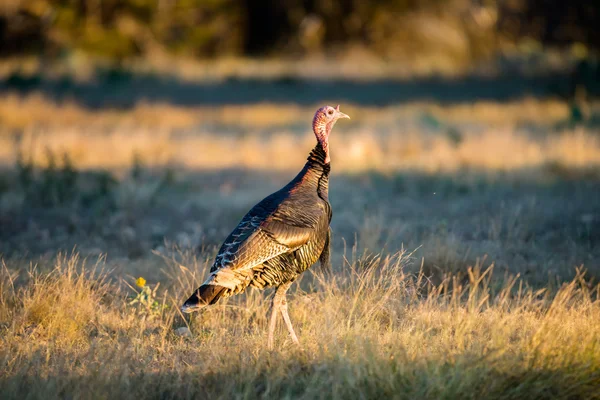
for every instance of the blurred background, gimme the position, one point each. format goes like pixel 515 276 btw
pixel 139 125
pixel 401 37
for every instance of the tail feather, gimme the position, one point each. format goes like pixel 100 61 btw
pixel 205 295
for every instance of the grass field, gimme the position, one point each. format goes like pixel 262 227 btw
pixel 465 254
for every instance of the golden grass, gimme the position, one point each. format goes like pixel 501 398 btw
pixel 376 328
pixel 368 331
pixel 494 150
pixel 192 137
pixel 17 112
pixel 357 63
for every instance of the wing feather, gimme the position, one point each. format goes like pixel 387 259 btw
pixel 255 241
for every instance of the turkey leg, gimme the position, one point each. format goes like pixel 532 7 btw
pixel 272 321
pixel 288 322
pixel 279 303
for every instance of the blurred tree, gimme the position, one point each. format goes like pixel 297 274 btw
pixel 119 29
pixel 552 21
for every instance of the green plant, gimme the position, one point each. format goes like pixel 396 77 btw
pixel 146 300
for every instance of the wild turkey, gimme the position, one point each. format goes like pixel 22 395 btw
pixel 280 237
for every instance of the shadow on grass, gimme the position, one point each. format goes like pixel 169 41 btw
pixel 536 227
pixel 125 90
pixel 338 379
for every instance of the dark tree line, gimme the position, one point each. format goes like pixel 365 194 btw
pixel 552 21
pixel 209 28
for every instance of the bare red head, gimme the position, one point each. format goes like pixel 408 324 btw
pixel 323 122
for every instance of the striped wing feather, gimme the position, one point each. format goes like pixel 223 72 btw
pixel 256 240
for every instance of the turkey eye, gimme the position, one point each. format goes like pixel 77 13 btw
pixel 330 112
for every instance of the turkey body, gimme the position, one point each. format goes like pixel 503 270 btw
pixel 280 237
pixel 277 240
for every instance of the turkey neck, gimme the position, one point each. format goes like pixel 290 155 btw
pixel 318 165
pixel 314 177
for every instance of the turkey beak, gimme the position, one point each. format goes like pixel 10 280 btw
pixel 340 114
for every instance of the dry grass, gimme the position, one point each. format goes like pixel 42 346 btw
pixel 496 204
pixel 369 331
pixel 417 137
pixel 22 112
pixel 443 54
pixel 495 150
